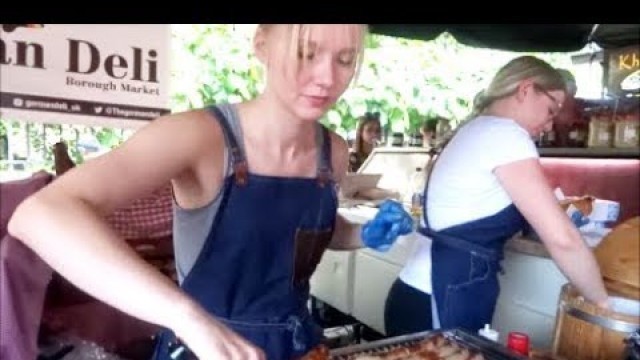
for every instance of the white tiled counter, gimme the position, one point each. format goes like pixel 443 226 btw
pixel 357 283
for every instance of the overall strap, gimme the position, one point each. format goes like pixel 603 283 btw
pixel 238 158
pixel 460 244
pixel 324 168
pixel 452 241
pixel 433 157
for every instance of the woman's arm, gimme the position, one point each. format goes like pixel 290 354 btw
pixel 346 235
pixel 390 221
pixel 64 224
pixel 527 186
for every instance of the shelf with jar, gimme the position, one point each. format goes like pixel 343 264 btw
pixel 603 152
pixel 602 129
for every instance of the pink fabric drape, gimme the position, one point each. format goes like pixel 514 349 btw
pixel 23 278
pixel 610 179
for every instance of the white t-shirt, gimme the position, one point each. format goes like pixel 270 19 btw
pixel 463 187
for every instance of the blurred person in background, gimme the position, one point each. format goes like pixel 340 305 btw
pixel 367 138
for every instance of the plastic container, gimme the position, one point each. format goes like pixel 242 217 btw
pixel 416 192
pixel 397 139
pixel 518 342
pixel 489 333
pixel 416 140
pixel 627 132
pixel 578 135
pixel 600 131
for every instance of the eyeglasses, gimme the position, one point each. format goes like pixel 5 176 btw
pixel 554 110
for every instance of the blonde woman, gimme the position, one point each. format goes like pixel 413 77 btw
pixel 253 213
pixel 485 186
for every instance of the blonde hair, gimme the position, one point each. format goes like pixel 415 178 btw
pixel 300 33
pixel 508 78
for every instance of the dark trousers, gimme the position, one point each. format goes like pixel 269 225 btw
pixel 407 310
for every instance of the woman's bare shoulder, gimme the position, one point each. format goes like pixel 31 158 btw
pixel 197 126
pixel 339 155
pixel 201 118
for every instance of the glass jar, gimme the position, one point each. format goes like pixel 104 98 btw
pixel 626 131
pixel 397 139
pixel 600 130
pixel 415 140
pixel 578 134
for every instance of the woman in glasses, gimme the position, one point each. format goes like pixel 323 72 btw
pixel 484 187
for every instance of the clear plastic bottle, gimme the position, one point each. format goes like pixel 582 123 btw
pixel 416 192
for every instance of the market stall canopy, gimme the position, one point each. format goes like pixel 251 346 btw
pixel 521 37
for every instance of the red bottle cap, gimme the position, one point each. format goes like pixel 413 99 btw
pixel 518 342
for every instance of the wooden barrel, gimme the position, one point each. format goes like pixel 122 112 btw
pixel 585 332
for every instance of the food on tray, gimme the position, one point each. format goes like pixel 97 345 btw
pixel 583 203
pixel 433 348
pixel 318 353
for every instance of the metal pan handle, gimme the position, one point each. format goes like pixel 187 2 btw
pixel 611 324
pixel 180 351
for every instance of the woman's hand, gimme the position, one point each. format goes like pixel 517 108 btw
pixel 209 339
pixel 521 179
pixel 604 304
pixel 391 221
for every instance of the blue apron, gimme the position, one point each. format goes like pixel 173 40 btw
pixel 465 262
pixel 266 240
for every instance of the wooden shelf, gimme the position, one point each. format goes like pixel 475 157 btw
pixel 614 153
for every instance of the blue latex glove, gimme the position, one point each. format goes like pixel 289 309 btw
pixel 579 219
pixel 390 222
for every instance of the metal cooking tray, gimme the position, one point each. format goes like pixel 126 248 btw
pixel 489 349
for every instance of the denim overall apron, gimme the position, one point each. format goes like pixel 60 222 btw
pixel 265 242
pixel 465 262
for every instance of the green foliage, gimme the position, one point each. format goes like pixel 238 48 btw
pixel 213 63
pixel 32 142
pixel 405 80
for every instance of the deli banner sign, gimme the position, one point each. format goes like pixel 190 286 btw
pixel 106 75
